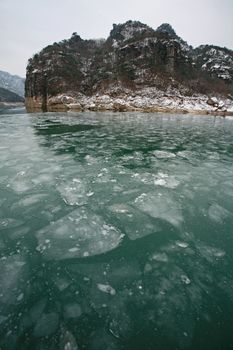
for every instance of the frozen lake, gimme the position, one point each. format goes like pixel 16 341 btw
pixel 116 231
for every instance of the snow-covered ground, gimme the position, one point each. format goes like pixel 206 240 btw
pixel 147 99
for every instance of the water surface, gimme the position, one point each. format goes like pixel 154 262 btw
pixel 116 231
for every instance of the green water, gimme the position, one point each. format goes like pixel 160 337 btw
pixel 116 231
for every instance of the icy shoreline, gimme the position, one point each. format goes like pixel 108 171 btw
pixel 146 100
pixel 11 104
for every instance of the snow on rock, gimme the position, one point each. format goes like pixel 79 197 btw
pixel 128 31
pixel 149 99
pixel 212 101
pixel 126 72
pixel 217 61
pixel 63 99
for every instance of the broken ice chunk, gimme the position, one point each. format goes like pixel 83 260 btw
pixel 165 180
pixel 13 273
pixel 162 206
pixel 61 283
pixel 106 288
pixel 67 341
pixel 185 279
pixel 46 325
pixel 73 192
pixel 20 297
pixel 217 213
pixel 163 154
pixel 133 222
pixel 76 235
pixel 161 257
pixel 9 223
pixel 182 244
pixel 72 310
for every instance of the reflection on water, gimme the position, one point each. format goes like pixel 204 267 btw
pixel 116 231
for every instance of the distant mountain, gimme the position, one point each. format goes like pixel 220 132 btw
pixel 216 61
pixel 9 96
pixel 12 83
pixel 133 58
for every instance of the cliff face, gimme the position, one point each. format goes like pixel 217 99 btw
pixel 132 58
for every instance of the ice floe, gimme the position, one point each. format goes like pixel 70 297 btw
pixel 13 276
pixel 79 234
pixel 161 206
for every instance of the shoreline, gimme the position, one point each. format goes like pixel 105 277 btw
pixel 67 108
pixel 12 104
pixel 142 101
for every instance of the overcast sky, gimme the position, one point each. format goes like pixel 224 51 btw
pixel 26 26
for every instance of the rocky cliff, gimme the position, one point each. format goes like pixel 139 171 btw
pixel 135 68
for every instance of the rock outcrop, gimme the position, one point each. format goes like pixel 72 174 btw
pixel 136 67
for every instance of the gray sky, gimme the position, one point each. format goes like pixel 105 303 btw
pixel 26 26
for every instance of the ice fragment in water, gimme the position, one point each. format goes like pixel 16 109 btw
pixel 43 178
pixel 13 273
pixel 120 324
pixel 182 244
pixel 162 257
pixel 101 339
pixel 185 279
pixel 67 341
pixel 73 192
pixel 78 234
pixel 218 213
pixel 147 268
pixel 160 182
pixel 163 154
pixel 37 310
pixel 72 250
pixel 30 200
pixel 209 253
pixel 10 223
pixel 3 319
pixel 20 297
pixel 165 180
pixel 72 310
pixel 46 325
pixel 89 194
pixel 106 288
pixel 162 207
pixel 61 283
pixel 185 154
pixel 135 223
pixel 20 183
pixel 119 208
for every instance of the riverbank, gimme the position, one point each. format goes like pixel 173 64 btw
pixel 11 104
pixel 146 100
